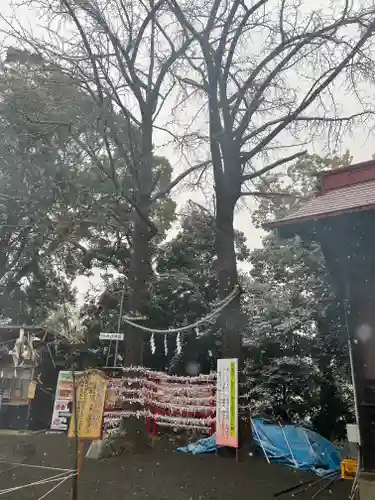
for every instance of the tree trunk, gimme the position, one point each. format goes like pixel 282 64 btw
pixel 140 261
pixel 135 437
pixel 139 300
pixel 231 320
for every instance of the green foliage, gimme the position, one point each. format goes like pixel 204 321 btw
pixel 64 196
pixel 298 344
pixel 183 289
pixel 33 188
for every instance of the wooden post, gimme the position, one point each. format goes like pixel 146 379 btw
pixel 213 413
pixel 80 456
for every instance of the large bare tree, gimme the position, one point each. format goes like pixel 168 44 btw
pixel 119 54
pixel 266 75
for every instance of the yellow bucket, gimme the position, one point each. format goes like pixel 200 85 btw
pixel 349 468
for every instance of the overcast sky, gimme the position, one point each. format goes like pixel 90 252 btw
pixel 360 145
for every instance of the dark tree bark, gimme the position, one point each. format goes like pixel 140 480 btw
pixel 230 319
pixel 246 95
pixel 141 256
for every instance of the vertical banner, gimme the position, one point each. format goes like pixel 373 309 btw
pixel 63 396
pixel 91 393
pixel 227 403
pixel 32 390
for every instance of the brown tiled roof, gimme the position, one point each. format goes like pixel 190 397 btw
pixel 352 198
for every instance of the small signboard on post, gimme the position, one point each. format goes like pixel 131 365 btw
pixel 111 336
pixel 227 403
pixel 87 416
pixel 90 397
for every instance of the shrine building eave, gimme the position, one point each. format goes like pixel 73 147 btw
pixel 340 192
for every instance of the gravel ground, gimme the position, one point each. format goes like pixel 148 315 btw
pixel 158 474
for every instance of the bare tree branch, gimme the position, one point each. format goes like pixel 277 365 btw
pixel 273 194
pixel 179 178
pixel 258 101
pixel 324 119
pixel 272 166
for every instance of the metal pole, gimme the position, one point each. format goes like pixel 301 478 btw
pixel 260 441
pixel 308 441
pixel 119 325
pixel 108 353
pixel 75 416
pixel 346 301
pixel 324 487
pixel 356 410
pixel 306 485
pixel 288 445
pixel 118 331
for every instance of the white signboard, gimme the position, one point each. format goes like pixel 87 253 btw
pixel 111 336
pixel 227 403
pixel 352 431
pixel 63 395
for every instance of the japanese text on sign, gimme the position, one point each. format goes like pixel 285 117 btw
pixel 227 403
pixel 91 392
pixel 63 396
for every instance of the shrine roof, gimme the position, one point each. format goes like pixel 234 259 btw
pixel 339 191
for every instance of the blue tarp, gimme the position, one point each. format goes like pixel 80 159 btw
pixel 310 450
pixel 205 445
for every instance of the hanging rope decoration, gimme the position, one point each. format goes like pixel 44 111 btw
pixel 171 378
pixel 152 344
pixel 209 318
pixel 168 400
pixel 206 319
pixel 178 343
